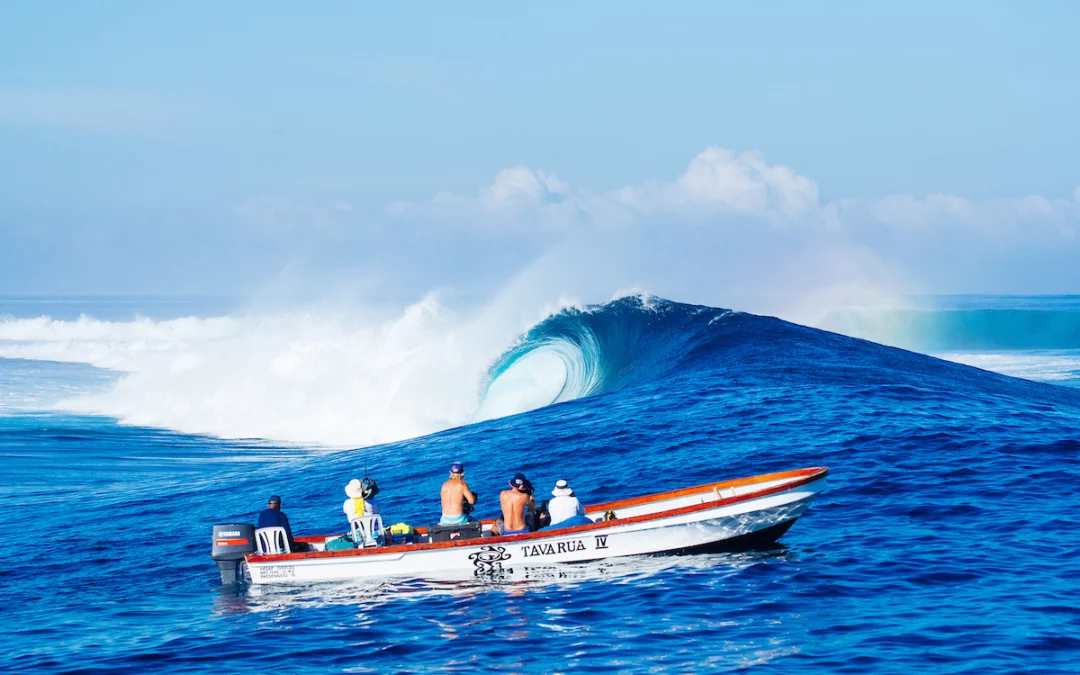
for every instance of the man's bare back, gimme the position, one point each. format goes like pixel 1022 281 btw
pixel 513 504
pixel 453 491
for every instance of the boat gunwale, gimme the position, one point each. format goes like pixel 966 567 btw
pixel 808 475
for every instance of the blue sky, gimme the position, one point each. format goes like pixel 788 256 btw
pixel 225 147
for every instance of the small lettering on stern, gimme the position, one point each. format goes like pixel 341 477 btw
pixel 278 572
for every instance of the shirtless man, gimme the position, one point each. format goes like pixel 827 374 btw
pixel 453 492
pixel 515 502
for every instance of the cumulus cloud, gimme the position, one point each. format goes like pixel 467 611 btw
pixel 521 186
pixel 995 218
pixel 517 195
pixel 721 182
pixel 717 181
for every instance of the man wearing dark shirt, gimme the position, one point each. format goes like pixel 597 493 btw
pixel 272 516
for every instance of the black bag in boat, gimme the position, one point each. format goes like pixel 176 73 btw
pixel 539 518
pixel 454 532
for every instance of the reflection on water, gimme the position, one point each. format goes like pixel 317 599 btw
pixel 511 583
pixel 627 611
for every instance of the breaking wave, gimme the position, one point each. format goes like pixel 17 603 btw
pixel 605 347
pixel 344 380
pixel 333 378
pixel 341 379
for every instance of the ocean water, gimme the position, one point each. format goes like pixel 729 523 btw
pixel 948 539
pixel 1030 337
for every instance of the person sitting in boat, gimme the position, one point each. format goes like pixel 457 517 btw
pixel 516 502
pixel 456 495
pixel 361 501
pixel 273 516
pixel 565 509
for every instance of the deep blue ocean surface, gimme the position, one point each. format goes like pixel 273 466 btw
pixel 947 541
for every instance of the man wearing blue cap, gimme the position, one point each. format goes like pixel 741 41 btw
pixel 455 493
pixel 273 516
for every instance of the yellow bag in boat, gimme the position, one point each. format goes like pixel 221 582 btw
pixel 402 528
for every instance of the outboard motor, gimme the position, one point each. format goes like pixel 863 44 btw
pixel 231 542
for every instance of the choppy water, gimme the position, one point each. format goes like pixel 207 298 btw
pixel 946 542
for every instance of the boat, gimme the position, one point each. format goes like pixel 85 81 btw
pixel 730 515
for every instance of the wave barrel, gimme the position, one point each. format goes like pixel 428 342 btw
pixel 230 543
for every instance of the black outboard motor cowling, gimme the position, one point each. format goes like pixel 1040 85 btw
pixel 231 542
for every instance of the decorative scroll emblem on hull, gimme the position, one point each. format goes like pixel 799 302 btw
pixel 489 560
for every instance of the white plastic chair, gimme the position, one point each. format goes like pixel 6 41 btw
pixel 367 530
pixel 272 540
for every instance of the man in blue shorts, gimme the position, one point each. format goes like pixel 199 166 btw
pixel 454 492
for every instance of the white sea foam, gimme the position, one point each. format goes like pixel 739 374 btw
pixel 315 376
pixel 1060 366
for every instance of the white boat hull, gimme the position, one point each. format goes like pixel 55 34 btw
pixel 685 522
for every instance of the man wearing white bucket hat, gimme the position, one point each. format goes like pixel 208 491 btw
pixel 361 502
pixel 565 504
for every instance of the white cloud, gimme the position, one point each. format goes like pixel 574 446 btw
pixel 521 186
pixel 717 181
pixel 995 218
pixel 518 195
pixel 720 182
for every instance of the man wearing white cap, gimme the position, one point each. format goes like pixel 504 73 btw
pixel 565 504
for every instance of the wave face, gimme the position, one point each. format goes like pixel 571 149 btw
pixel 951 499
